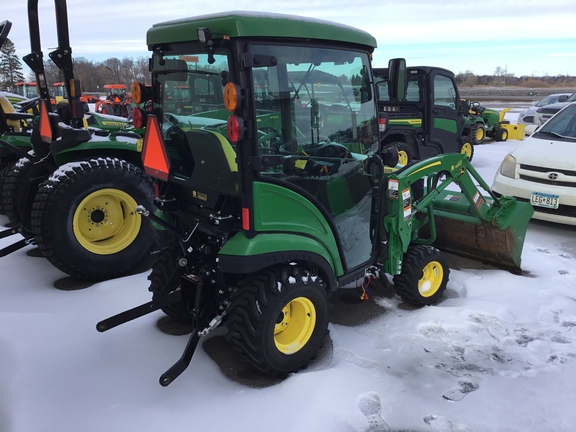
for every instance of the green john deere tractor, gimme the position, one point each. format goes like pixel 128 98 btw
pixel 282 196
pixel 75 192
pixel 485 122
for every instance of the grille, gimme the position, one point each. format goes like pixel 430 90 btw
pixel 547 181
pixel 546 170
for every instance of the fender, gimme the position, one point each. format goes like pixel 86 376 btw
pixel 244 255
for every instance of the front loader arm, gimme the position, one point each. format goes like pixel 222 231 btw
pixel 422 210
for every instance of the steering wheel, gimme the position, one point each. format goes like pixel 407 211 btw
pixel 5 27
pixel 307 143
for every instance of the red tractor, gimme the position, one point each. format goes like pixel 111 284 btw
pixel 117 102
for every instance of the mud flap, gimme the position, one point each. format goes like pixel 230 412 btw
pixel 498 242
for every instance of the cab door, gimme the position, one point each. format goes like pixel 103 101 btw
pixel 445 121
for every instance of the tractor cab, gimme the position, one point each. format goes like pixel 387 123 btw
pixel 297 130
pixel 28 90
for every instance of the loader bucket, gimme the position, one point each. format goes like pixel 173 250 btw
pixel 498 242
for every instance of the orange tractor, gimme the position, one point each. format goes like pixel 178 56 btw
pixel 117 102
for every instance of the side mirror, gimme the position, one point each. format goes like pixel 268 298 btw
pixel 390 157
pixel 562 98
pixel 397 78
pixel 530 129
pixel 366 90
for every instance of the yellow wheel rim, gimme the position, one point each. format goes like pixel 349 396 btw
pixel 504 135
pixel 432 276
pixel 466 149
pixel 402 157
pixel 106 222
pixel 295 325
pixel 479 133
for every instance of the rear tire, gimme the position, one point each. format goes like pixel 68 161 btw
pixel 7 168
pixel 424 276
pixel 166 275
pixel 467 148
pixel 278 319
pixel 19 188
pixel 405 155
pixel 85 222
pixel 477 133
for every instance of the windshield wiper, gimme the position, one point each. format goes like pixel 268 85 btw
pixel 557 135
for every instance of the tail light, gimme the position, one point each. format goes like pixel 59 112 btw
pixel 138 118
pixel 235 128
pixel 382 121
pixel 245 219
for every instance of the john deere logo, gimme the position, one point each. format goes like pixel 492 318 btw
pixel 553 176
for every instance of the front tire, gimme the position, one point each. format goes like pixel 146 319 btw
pixel 424 276
pixel 501 134
pixel 278 319
pixel 84 218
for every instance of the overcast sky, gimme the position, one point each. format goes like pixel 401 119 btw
pixel 528 37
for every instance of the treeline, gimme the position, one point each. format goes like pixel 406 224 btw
pixel 94 75
pixel 502 78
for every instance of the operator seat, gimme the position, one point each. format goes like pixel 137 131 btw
pixel 9 118
pixel 214 160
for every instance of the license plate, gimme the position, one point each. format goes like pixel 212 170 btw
pixel 545 200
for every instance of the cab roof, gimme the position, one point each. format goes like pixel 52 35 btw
pixel 240 24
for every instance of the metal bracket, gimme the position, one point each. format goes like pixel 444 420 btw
pixel 138 311
pixel 14 246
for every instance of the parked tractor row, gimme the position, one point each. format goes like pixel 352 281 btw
pixel 269 176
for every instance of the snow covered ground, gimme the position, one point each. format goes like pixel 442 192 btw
pixel 498 353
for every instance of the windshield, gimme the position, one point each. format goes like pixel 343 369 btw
pixel 562 125
pixel 546 101
pixel 313 97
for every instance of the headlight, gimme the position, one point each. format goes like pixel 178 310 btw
pixel 508 166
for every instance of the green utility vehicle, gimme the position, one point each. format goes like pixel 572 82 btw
pixel 74 194
pixel 281 197
pixel 429 120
